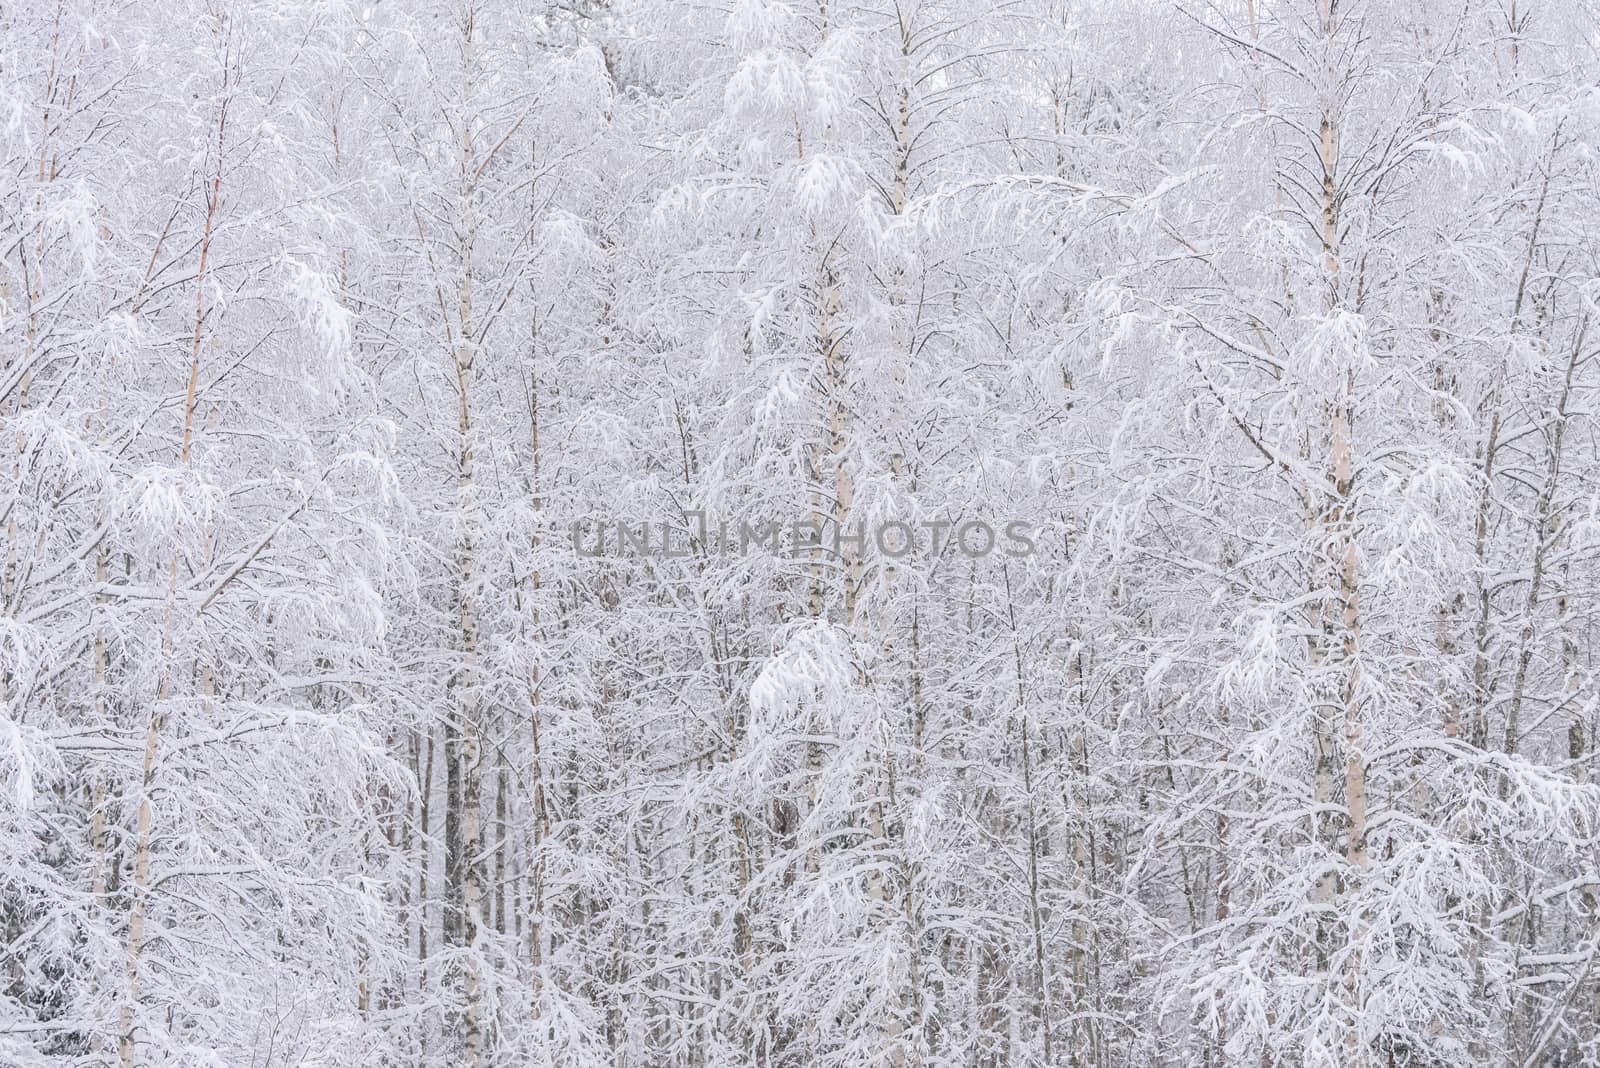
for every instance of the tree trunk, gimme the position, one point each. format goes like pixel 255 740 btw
pixel 143 832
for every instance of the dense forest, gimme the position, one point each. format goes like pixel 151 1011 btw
pixel 493 498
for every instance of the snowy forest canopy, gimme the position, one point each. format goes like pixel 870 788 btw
pixel 323 744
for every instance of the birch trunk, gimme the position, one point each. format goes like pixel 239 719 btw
pixel 469 815
pixel 143 830
pixel 1345 561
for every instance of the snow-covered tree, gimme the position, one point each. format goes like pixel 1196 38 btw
pixel 798 532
